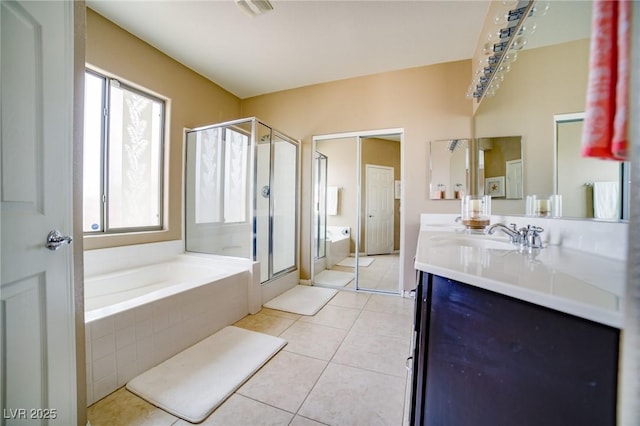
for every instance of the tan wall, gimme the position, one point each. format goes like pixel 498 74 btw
pixel 193 101
pixel 542 82
pixel 428 102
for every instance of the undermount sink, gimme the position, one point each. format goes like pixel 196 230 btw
pixel 482 242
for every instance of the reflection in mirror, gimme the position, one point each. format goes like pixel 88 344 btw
pixel 590 188
pixel 500 167
pixel 549 77
pixel 378 261
pixel 320 206
pixel 448 168
pixel 338 186
pixel 357 200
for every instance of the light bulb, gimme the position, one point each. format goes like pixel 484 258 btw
pixel 501 20
pixel 528 28
pixel 510 57
pixel 540 8
pixel 519 42
pixel 504 68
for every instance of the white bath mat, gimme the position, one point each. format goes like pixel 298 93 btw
pixel 350 262
pixel 333 278
pixel 196 381
pixel 302 299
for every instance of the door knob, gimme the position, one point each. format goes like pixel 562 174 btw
pixel 55 240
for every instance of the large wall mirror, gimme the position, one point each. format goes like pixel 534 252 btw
pixel 357 217
pixel 590 188
pixel 448 168
pixel 549 80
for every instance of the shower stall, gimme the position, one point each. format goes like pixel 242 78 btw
pixel 242 195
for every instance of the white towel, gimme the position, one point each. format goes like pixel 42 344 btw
pixel 332 200
pixel 606 200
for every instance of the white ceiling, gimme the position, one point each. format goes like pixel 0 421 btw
pixel 305 42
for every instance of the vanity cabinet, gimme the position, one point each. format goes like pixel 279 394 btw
pixel 483 358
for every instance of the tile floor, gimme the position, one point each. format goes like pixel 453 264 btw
pixel 382 274
pixel 343 366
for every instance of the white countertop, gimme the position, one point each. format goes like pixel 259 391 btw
pixel 564 279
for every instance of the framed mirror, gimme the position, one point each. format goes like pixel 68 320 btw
pixel 448 169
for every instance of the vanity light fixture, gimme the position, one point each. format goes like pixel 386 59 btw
pixel 254 7
pixel 500 46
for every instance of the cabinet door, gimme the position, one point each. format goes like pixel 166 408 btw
pixel 421 331
pixel 494 360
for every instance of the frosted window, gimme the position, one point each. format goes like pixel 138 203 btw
pixel 123 175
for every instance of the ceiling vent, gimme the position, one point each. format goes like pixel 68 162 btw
pixel 254 7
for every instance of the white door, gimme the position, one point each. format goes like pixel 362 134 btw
pixel 379 210
pixel 37 344
pixel 514 179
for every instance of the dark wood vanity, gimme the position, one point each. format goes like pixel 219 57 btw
pixel 484 358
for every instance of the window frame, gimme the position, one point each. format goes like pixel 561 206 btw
pixel 108 80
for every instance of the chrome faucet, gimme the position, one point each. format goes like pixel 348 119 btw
pixel 512 231
pixel 528 236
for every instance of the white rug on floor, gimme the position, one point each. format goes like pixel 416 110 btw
pixel 350 262
pixel 333 278
pixel 302 299
pixel 197 380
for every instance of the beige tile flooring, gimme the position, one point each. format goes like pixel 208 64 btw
pixel 382 274
pixel 343 366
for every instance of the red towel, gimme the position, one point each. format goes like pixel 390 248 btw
pixel 605 127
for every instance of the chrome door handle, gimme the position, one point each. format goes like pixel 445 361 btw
pixel 55 240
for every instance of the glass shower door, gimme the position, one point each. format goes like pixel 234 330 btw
pixel 262 199
pixel 217 191
pixel 241 187
pixel 284 205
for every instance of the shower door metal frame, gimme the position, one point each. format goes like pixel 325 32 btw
pixel 252 183
pixel 271 274
pixel 315 170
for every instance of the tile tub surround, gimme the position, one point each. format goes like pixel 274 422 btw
pixel 356 382
pixel 129 337
pixel 121 346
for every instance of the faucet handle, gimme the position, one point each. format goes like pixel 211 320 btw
pixel 533 236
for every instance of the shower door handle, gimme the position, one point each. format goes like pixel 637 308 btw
pixel 55 240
